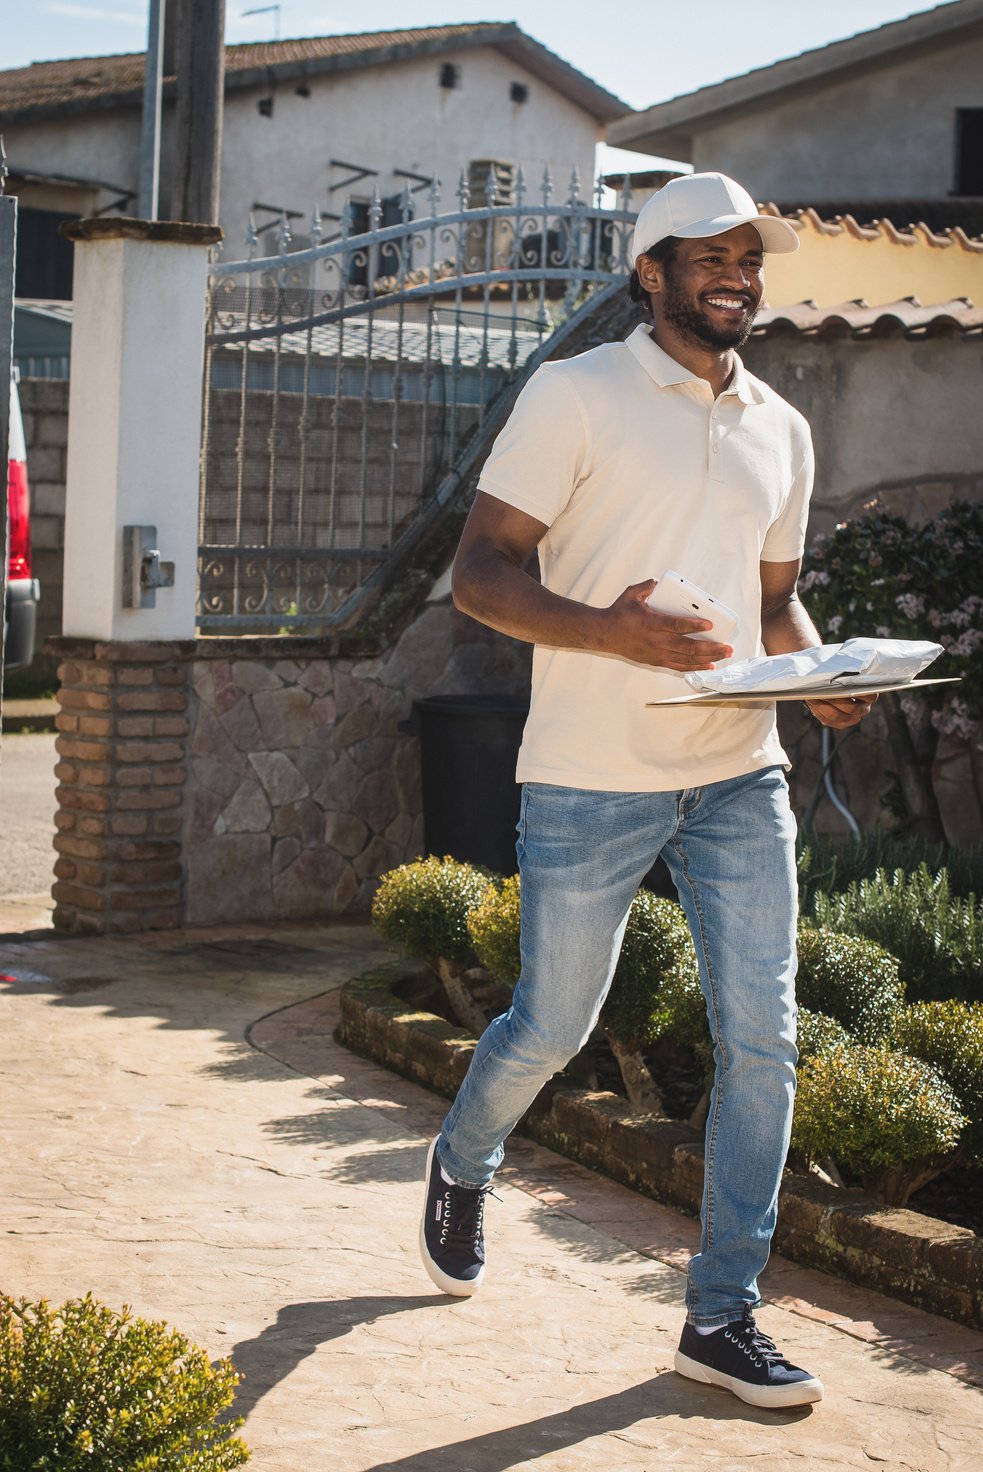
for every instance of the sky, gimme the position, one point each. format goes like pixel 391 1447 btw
pixel 643 51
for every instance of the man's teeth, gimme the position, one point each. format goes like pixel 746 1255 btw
pixel 734 303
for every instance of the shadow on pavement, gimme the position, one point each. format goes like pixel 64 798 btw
pixel 299 1330
pixel 664 1395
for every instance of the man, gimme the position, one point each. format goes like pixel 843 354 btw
pixel 660 452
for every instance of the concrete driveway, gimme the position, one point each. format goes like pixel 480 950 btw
pixel 27 809
pixel 182 1133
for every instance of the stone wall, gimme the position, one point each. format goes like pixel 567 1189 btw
pixel 222 780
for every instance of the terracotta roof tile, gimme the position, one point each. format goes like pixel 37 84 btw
pixel 857 319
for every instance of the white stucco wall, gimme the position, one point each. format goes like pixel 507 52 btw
pixel 395 117
pixel 886 132
pixel 384 117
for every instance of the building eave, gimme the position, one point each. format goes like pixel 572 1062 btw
pixel 668 128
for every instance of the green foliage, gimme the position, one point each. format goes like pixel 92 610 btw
pixel 493 928
pixel 657 949
pixel 422 908
pixel 828 865
pixel 849 979
pixel 818 1034
pixel 84 1387
pixel 883 1115
pixel 949 1036
pixel 937 937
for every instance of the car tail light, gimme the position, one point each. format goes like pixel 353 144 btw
pixel 20 521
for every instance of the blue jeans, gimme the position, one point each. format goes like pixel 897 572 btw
pixel 582 855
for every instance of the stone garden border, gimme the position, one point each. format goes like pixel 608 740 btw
pixel 932 1264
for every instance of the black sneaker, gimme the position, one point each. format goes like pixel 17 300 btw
pixel 743 1359
pixel 452 1244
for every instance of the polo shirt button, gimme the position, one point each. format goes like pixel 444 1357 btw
pixel 715 448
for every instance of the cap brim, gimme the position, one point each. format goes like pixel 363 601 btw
pixel 778 237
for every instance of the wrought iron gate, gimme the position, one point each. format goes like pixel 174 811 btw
pixel 343 382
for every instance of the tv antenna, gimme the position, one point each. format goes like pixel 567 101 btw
pixel 265 10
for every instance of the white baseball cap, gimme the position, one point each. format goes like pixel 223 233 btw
pixel 696 205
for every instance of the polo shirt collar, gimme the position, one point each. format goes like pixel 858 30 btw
pixel 666 372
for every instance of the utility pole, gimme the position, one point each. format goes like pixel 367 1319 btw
pixel 150 121
pixel 200 76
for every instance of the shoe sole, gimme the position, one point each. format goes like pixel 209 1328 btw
pixel 803 1393
pixel 456 1287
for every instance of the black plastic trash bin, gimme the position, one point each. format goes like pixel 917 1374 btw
pixel 468 750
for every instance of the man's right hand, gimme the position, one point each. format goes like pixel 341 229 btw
pixel 491 585
pixel 635 631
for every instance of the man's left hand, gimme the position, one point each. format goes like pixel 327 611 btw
pixel 841 713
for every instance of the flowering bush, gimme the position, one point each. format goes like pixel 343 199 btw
pixel 876 575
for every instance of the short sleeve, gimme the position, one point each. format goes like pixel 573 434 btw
pixel 541 454
pixel 785 539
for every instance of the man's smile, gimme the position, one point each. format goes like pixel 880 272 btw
pixel 727 303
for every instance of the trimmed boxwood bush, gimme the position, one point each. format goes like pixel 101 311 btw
pixel 849 979
pixel 818 1033
pixel 936 935
pixel 86 1389
pixel 422 908
pixel 889 1118
pixel 657 947
pixel 949 1036
pixel 493 929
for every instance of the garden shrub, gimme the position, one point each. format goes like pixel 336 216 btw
pixel 936 936
pixel 817 1033
pixel 949 1036
pixel 889 1118
pixel 493 929
pixel 657 947
pixel 422 908
pixel 849 979
pixel 831 864
pixel 85 1387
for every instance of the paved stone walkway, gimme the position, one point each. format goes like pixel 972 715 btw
pixel 182 1134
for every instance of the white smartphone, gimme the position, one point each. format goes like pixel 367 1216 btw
pixel 676 595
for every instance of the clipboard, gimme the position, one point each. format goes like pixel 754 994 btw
pixel 834 689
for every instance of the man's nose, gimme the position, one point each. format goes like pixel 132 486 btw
pixel 734 274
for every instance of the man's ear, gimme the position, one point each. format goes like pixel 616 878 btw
pixel 651 275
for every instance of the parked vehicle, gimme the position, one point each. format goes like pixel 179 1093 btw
pixel 23 592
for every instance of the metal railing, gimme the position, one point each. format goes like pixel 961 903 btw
pixel 344 380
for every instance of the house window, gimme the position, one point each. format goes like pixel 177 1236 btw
pixel 450 76
pixel 44 258
pixel 384 259
pixel 969 150
pixel 519 92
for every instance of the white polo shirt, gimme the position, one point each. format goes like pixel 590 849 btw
pixel 635 467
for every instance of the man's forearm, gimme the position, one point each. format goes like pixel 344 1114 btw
pixel 788 628
pixel 492 588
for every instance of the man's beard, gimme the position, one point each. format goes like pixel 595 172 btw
pixel 696 327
